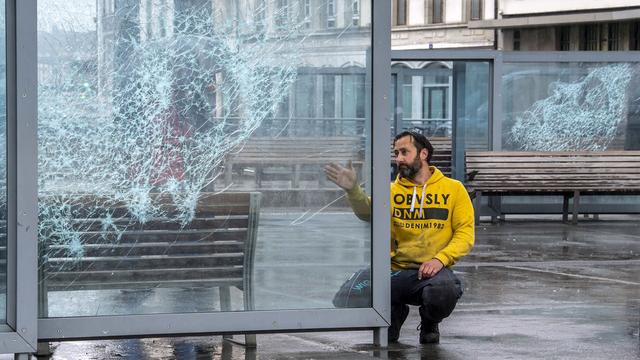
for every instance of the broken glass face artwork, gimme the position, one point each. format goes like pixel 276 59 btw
pixel 569 106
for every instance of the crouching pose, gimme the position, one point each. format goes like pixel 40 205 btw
pixel 432 227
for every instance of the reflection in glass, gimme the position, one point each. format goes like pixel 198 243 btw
pixel 154 117
pixel 426 101
pixel 432 95
pixel 571 106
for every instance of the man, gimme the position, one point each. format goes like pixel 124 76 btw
pixel 432 227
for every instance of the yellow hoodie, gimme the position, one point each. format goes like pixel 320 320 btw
pixel 428 221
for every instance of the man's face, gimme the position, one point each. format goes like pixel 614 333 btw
pixel 407 157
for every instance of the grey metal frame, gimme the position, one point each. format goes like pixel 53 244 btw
pixel 22 206
pixel 22 202
pixel 375 318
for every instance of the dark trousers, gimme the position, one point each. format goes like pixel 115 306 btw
pixel 436 296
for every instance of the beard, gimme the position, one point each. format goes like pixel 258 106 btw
pixel 409 171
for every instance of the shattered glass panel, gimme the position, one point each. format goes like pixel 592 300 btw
pixel 157 117
pixel 571 106
pixel 3 167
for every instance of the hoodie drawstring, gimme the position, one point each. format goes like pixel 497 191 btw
pixel 413 199
pixel 422 198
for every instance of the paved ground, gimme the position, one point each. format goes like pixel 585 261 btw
pixel 534 289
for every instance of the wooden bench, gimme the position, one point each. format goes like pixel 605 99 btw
pixel 294 154
pixel 215 249
pixel 570 174
pixel 441 155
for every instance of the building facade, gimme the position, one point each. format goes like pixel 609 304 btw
pixel 438 24
pixel 572 25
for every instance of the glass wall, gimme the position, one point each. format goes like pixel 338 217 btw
pixel 424 96
pixel 157 118
pixel 433 95
pixel 3 166
pixel 571 106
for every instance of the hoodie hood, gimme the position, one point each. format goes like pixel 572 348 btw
pixel 436 175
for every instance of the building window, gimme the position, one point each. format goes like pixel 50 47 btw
pixel 259 15
pixel 148 9
pixel 282 14
pixel 564 38
pixel 634 36
pixel 476 9
pixel 306 11
pixel 613 38
pixel 516 40
pixel 590 38
pixel 437 11
pixel 401 12
pixel 434 103
pixel 355 11
pixel 331 13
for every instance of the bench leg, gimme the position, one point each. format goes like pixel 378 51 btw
pixel 380 336
pixel 225 304
pixel 565 208
pixel 250 340
pixel 576 205
pixel 44 349
pixel 477 203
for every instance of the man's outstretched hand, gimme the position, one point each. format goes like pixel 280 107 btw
pixel 345 177
pixel 429 269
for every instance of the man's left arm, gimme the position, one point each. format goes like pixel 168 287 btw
pixel 463 228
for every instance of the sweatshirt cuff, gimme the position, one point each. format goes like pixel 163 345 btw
pixel 443 259
pixel 355 193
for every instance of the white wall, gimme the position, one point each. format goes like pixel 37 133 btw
pixel 489 7
pixel 516 7
pixel 453 11
pixel 416 12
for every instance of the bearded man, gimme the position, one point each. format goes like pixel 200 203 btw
pixel 432 227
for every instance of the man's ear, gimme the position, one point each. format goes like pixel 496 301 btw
pixel 423 154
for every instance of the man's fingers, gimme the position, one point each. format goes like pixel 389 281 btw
pixel 350 165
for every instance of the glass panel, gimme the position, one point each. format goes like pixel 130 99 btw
pixel 153 129
pixel 571 106
pixel 425 97
pixel 3 166
pixel 472 100
pixel 430 90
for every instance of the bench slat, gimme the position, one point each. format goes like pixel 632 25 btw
pixel 119 276
pixel 144 262
pixel 163 224
pixel 197 283
pixel 152 248
pixel 158 236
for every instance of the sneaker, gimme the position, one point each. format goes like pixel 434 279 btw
pixel 429 333
pixel 394 329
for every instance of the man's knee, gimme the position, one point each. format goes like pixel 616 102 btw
pixel 440 296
